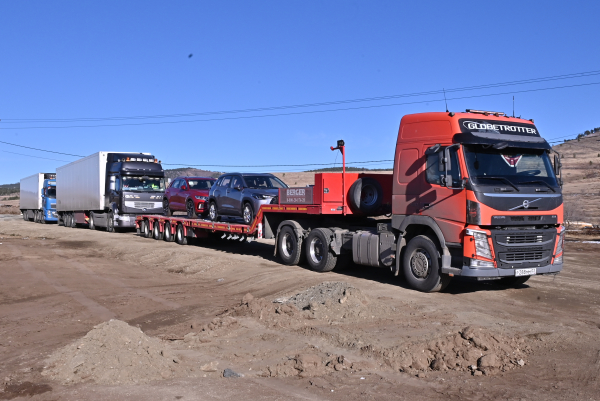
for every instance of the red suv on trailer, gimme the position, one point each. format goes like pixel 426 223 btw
pixel 188 194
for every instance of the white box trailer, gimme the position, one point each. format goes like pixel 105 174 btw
pixel 82 184
pixel 31 190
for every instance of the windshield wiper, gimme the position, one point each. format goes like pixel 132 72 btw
pixel 541 182
pixel 506 180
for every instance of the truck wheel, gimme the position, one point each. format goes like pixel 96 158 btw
pixel 67 220
pixel 166 208
pixel 319 256
pixel 146 233
pixel 110 222
pixel 43 218
pixel 365 196
pixel 289 248
pixel 156 231
pixel 421 265
pixel 91 222
pixel 167 234
pixel 247 213
pixel 514 281
pixel 180 237
pixel 213 215
pixel 191 211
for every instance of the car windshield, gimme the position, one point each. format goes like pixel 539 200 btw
pixel 143 183
pixel 519 166
pixel 200 184
pixel 263 182
pixel 51 192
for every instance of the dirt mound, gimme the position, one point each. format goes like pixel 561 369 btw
pixel 113 353
pixel 323 293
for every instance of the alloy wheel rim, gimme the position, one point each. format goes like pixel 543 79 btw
pixel 316 250
pixel 247 214
pixel 287 245
pixel 190 209
pixel 212 211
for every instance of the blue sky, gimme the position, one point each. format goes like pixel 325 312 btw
pixel 72 59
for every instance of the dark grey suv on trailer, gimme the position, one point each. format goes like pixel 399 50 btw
pixel 242 194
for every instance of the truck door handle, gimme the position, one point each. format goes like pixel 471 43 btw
pixel 426 205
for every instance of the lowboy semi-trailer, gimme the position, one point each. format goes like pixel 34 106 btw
pixel 472 194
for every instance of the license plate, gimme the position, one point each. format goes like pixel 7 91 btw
pixel 525 272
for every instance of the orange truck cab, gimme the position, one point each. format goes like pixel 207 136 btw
pixel 480 189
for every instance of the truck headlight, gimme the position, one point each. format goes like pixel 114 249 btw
pixel 560 246
pixel 204 198
pixel 482 246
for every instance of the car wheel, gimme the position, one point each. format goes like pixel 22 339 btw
pixel 289 247
pixel 167 234
pixel 213 215
pixel 166 208
pixel 421 265
pixel 247 213
pixel 318 254
pixel 180 237
pixel 191 211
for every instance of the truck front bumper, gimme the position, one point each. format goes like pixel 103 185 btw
pixel 467 271
pixel 125 221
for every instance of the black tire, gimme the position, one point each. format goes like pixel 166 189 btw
pixel 318 254
pixel 166 208
pixel 110 222
pixel 25 215
pixel 180 237
pixel 146 232
pixel 156 233
pixel 365 196
pixel 190 209
pixel 142 224
pixel 68 220
pixel 514 281
pixel 421 265
pixel 289 247
pixel 167 234
pixel 213 212
pixel 247 213
pixel 91 222
pixel 43 218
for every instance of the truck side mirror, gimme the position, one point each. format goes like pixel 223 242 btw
pixel 111 184
pixel 557 164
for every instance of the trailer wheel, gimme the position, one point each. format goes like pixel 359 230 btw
pixel 180 237
pixel 318 254
pixel 146 233
pixel 421 265
pixel 191 211
pixel 156 231
pixel 213 214
pixel 289 247
pixel 166 208
pixel 167 234
pixel 365 196
pixel 247 213
pixel 514 281
pixel 67 220
pixel 91 222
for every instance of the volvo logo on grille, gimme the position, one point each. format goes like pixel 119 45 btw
pixel 525 204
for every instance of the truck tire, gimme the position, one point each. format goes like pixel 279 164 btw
pixel 156 233
pixel 167 208
pixel 514 281
pixel 67 220
pixel 421 265
pixel 145 230
pixel 110 222
pixel 91 222
pixel 213 213
pixel 167 234
pixel 289 247
pixel 318 254
pixel 43 218
pixel 365 196
pixel 180 237
pixel 247 213
pixel 190 209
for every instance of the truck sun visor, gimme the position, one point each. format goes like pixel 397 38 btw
pixel 493 131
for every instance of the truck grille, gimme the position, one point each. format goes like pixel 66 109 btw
pixel 142 205
pixel 523 256
pixel 524 238
pixel 53 206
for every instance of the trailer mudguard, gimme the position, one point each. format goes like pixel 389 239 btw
pixel 297 228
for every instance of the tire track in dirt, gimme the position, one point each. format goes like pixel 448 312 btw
pixel 92 306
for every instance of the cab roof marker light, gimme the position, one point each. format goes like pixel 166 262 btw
pixel 486 113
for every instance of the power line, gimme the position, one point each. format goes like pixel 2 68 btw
pixel 305 112
pixel 273 165
pixel 41 150
pixel 368 99
pixel 36 157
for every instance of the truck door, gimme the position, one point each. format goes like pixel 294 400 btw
pixel 407 186
pixel 446 205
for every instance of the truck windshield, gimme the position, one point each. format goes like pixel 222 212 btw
pixel 262 182
pixel 152 184
pixel 517 166
pixel 51 192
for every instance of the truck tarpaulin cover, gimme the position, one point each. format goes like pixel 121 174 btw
pixel 481 131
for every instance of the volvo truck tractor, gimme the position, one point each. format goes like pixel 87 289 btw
pixel 38 198
pixel 474 194
pixel 109 189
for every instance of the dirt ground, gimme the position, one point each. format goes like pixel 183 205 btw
pixel 360 334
